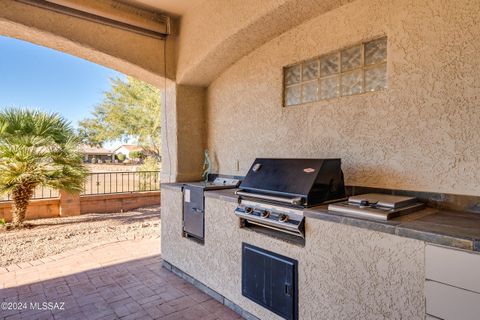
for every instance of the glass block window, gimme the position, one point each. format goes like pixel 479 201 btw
pixel 358 69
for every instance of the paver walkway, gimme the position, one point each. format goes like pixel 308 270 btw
pixel 122 280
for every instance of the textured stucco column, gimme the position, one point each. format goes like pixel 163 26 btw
pixel 69 204
pixel 183 132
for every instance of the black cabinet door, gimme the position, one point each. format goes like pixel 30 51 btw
pixel 193 211
pixel 270 280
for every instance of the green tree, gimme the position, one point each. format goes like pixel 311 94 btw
pixel 37 149
pixel 136 155
pixel 129 111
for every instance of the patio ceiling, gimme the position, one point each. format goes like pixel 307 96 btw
pixel 212 34
pixel 216 33
pixel 209 36
pixel 175 7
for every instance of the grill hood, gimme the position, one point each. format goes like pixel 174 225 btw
pixel 311 181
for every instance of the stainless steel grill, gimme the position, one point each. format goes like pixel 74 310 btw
pixel 275 191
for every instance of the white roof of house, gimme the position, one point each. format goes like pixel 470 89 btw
pixel 94 150
pixel 129 147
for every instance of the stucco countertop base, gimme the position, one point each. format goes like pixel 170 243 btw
pixel 449 228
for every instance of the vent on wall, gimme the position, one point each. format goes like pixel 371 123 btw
pixel 354 70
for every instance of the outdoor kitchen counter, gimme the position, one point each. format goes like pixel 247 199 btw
pixel 448 228
pixel 342 269
pixel 347 266
pixel 172 186
pixel 225 194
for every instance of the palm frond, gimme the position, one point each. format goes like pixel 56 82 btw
pixel 38 148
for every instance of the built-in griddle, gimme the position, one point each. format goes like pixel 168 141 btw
pixel 377 206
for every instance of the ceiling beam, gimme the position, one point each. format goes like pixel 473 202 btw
pixel 85 15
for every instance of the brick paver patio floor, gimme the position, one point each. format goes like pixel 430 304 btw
pixel 122 280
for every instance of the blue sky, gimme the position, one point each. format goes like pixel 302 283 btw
pixel 49 80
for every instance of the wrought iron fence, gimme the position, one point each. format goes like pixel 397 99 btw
pixel 107 182
pixel 121 182
pixel 39 193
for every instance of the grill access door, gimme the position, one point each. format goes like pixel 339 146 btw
pixel 270 280
pixel 193 212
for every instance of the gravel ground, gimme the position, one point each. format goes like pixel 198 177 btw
pixel 57 235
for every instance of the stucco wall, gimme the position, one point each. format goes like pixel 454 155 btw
pixel 344 272
pixel 37 209
pixel 118 202
pixel 183 132
pixel 191 132
pixel 68 205
pixel 420 134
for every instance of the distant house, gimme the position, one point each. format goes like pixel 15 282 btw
pixel 96 155
pixel 126 149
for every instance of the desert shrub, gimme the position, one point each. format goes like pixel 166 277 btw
pixel 150 164
pixel 149 180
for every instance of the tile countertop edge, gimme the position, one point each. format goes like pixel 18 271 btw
pixel 227 195
pixel 399 228
pixel 172 186
pixel 435 238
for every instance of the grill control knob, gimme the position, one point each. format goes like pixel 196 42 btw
pixel 282 217
pixel 248 210
pixel 265 214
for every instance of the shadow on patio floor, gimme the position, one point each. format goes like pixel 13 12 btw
pixel 135 289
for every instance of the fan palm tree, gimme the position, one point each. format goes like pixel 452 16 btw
pixel 37 149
